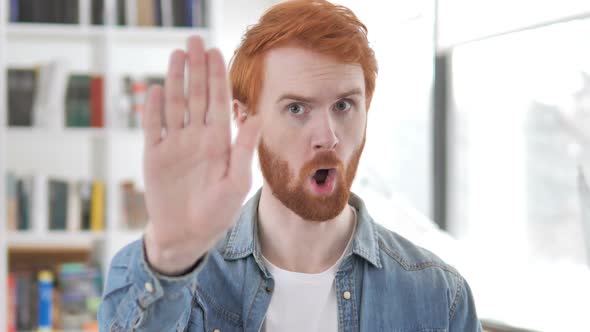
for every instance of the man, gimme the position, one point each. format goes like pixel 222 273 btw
pixel 303 254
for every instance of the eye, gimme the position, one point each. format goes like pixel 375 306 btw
pixel 296 109
pixel 342 105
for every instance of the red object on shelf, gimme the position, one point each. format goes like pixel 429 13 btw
pixel 96 102
pixel 11 319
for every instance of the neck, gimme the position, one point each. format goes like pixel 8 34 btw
pixel 299 245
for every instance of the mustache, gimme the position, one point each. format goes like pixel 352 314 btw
pixel 325 159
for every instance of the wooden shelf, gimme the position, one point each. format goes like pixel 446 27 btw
pixel 54 240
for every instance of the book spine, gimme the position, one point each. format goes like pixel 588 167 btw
pixel 158 12
pixel 97 206
pixel 131 11
pixel 11 202
pixel 74 207
pixel 21 90
pixel 58 200
pixel 85 190
pixel 188 12
pixel 167 17
pixel 12 303
pixel 96 102
pixel 121 12
pixel 14 7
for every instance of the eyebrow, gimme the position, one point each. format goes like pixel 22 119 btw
pixel 290 96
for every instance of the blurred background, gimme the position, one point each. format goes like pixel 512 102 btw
pixel 478 144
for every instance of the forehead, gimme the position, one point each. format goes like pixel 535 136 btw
pixel 296 69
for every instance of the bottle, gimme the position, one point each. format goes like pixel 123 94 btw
pixel 45 300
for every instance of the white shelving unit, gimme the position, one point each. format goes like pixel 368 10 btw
pixel 111 153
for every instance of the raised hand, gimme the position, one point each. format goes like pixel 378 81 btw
pixel 196 179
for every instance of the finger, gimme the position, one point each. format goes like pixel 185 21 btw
pixel 242 152
pixel 217 122
pixel 175 100
pixel 151 123
pixel 218 111
pixel 197 93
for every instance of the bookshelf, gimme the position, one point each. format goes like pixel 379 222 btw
pixel 111 153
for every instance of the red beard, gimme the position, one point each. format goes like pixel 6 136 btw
pixel 292 192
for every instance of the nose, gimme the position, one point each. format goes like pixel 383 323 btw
pixel 324 136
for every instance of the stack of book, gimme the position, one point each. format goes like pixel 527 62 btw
pixel 74 302
pixel 72 205
pixel 167 13
pixel 133 97
pixel 48 97
pixel 45 11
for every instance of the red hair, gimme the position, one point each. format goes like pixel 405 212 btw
pixel 317 25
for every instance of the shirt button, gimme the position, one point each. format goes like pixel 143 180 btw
pixel 268 289
pixel 346 295
pixel 148 287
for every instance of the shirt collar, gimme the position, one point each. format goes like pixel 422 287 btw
pixel 242 240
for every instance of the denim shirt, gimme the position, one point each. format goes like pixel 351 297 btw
pixel 384 283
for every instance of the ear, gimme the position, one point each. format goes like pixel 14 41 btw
pixel 239 112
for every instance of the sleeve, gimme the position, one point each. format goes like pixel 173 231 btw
pixel 463 315
pixel 137 298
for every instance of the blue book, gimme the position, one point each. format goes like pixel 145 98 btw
pixel 13 10
pixel 158 12
pixel 189 7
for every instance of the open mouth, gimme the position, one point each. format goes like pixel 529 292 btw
pixel 323 181
pixel 321 176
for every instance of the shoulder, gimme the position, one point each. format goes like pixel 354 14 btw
pixel 407 255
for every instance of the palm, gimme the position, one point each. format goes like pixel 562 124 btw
pixel 196 179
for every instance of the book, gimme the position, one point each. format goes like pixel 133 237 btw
pixel 158 12
pixel 80 291
pixel 11 202
pixel 11 304
pixel 48 105
pixel 85 191
pixel 97 206
pixel 96 102
pixel 58 204
pixel 121 12
pixel 97 15
pixel 178 13
pixel 21 90
pixel 14 6
pixel 78 101
pixel 139 91
pixel 71 12
pixel 189 10
pixel 131 12
pixel 73 222
pixel 145 13
pixel 24 190
pixel 25 314
pixel 167 13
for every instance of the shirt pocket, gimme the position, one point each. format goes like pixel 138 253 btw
pixel 207 316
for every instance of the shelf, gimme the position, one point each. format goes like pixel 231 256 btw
pixel 15 132
pixel 47 30
pixel 119 33
pixel 54 240
pixel 157 34
pixel 37 131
